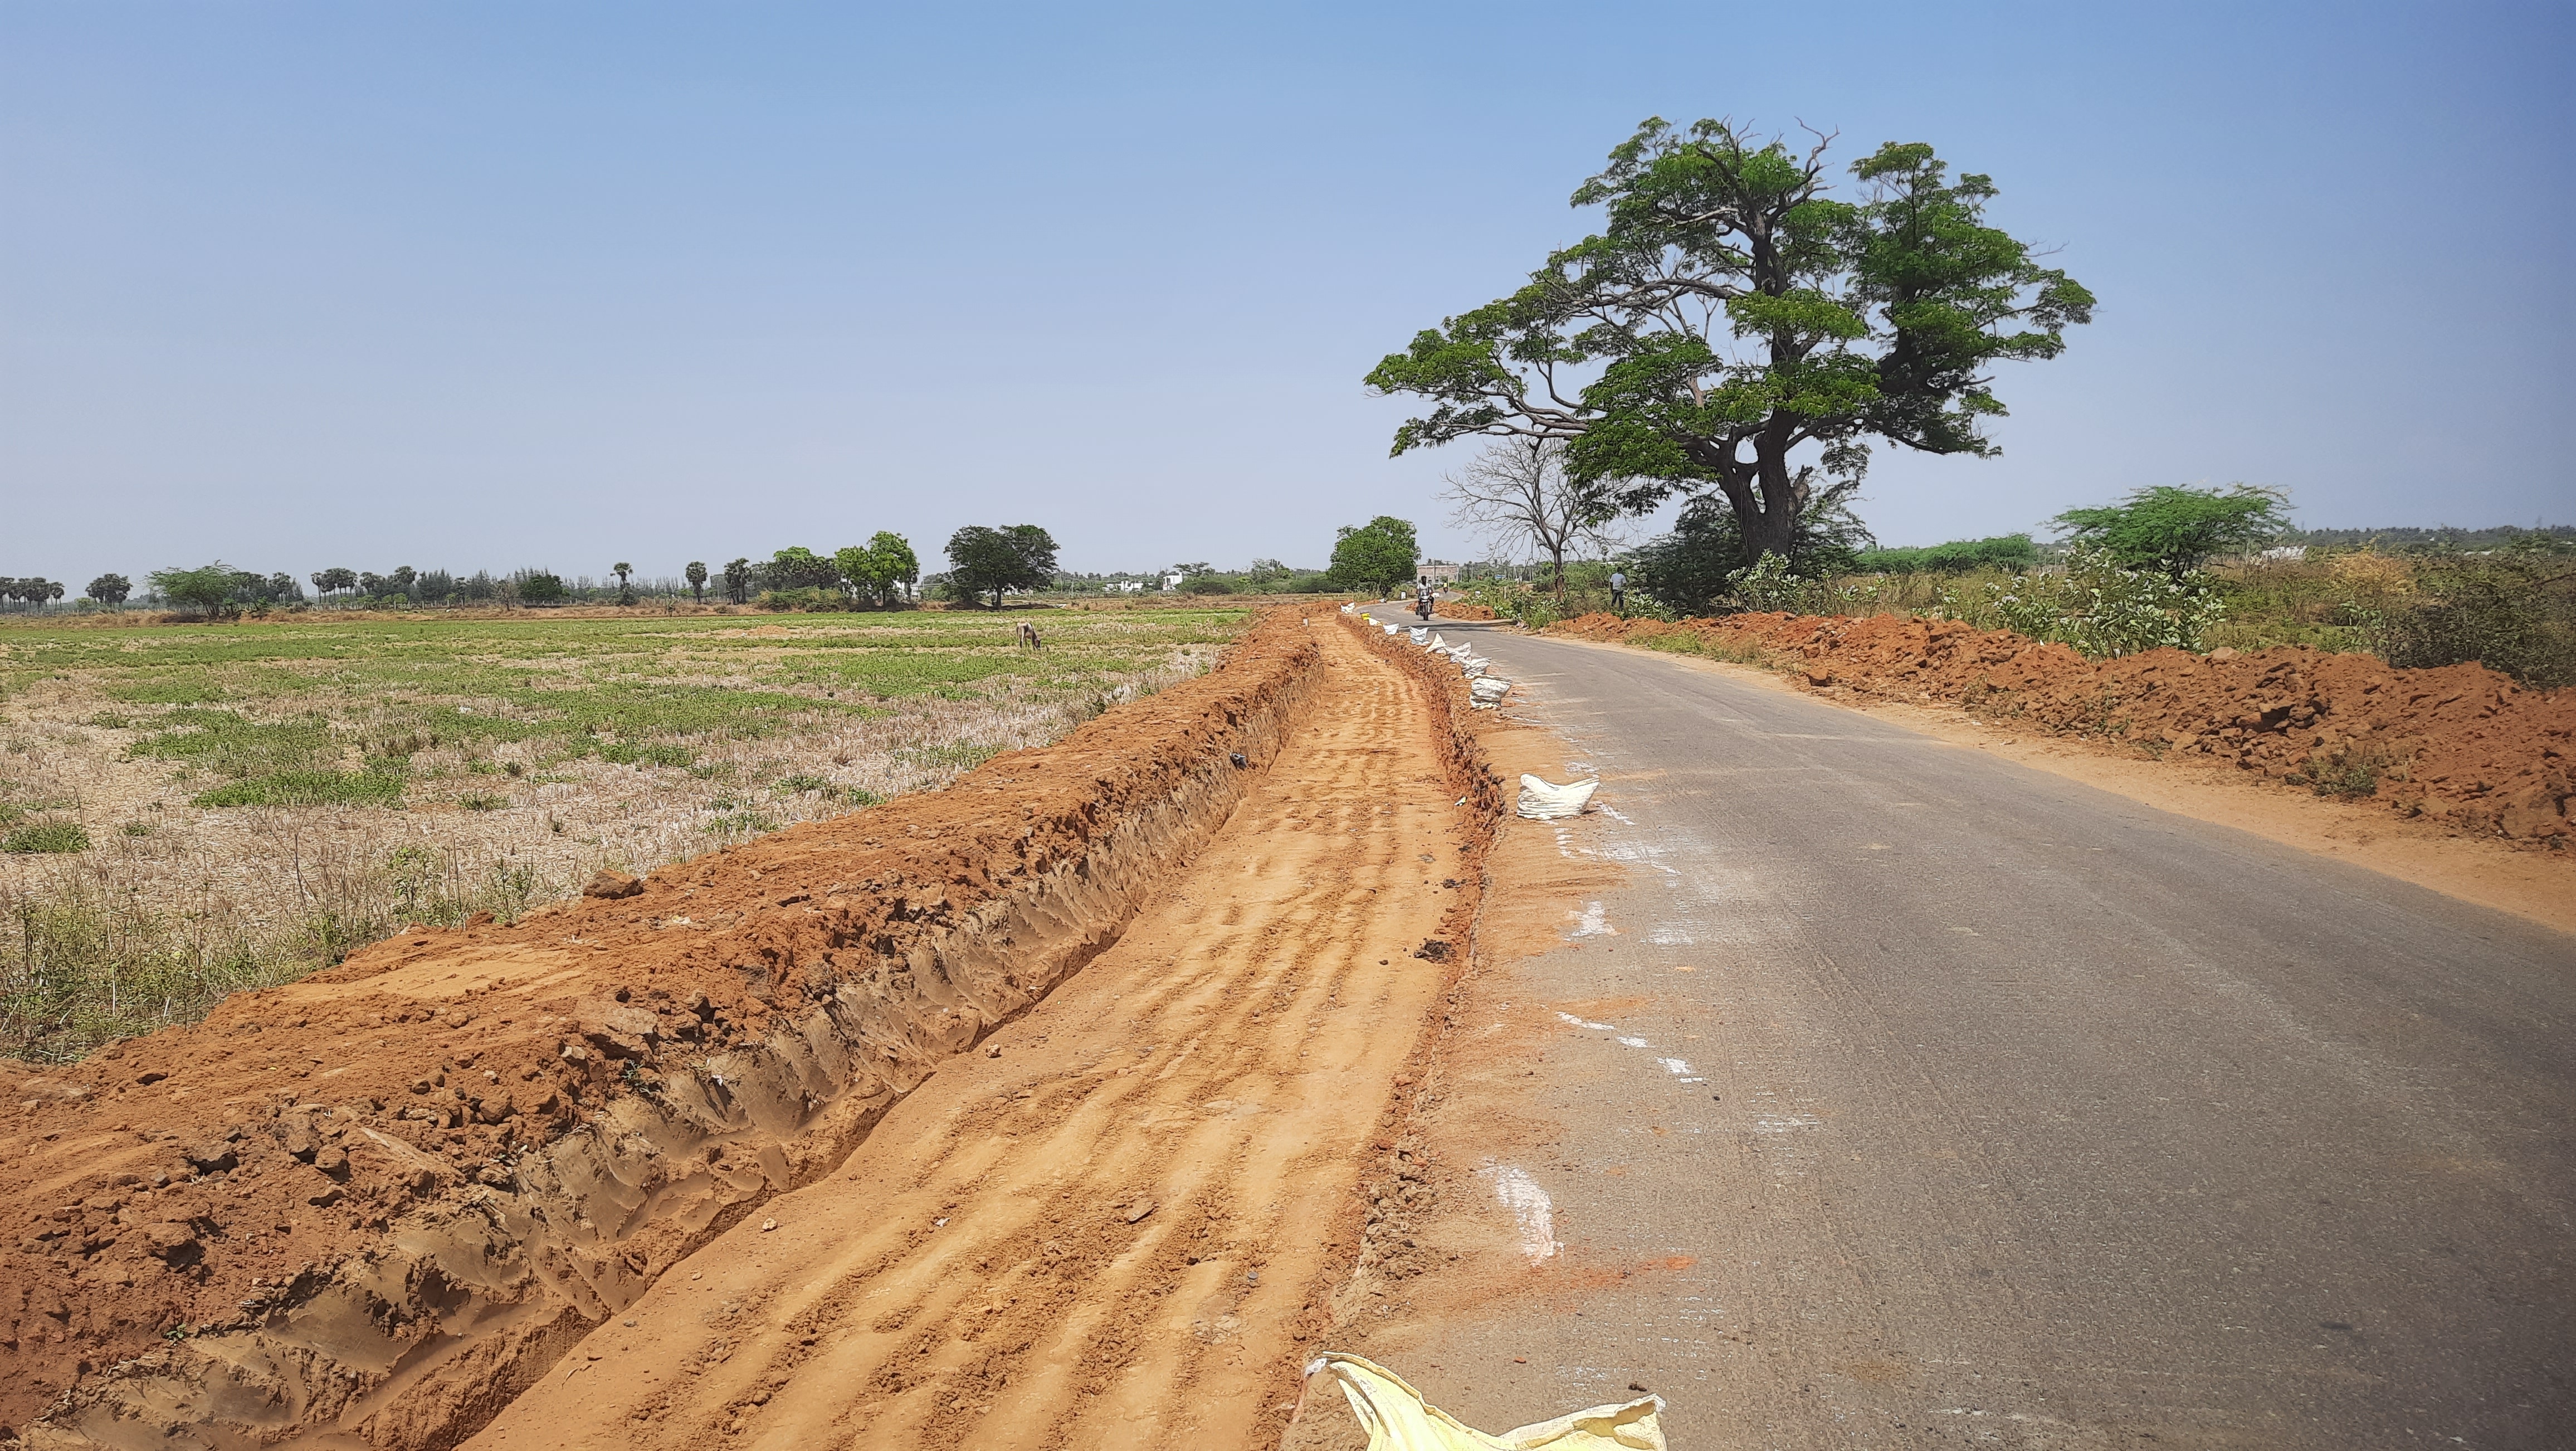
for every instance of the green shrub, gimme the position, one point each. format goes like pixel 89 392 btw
pixel 862 796
pixel 2176 530
pixel 46 836
pixel 2512 610
pixel 1959 556
pixel 802 782
pixel 2095 605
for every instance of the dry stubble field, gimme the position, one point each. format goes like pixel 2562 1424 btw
pixel 258 799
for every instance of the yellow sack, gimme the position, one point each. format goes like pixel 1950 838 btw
pixel 1398 1420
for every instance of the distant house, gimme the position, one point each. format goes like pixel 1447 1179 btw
pixel 1171 582
pixel 1438 572
pixel 1123 586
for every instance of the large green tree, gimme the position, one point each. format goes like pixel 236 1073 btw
pixel 1734 331
pixel 985 560
pixel 880 572
pixel 206 590
pixel 1377 555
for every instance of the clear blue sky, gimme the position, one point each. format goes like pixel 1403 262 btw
pixel 485 285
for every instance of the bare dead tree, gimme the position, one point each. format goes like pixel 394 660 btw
pixel 1516 495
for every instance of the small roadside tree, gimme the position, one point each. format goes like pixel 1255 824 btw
pixel 1516 493
pixel 1378 555
pixel 696 574
pixel 2177 530
pixel 985 560
pixel 110 589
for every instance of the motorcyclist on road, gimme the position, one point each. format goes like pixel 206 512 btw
pixel 1422 597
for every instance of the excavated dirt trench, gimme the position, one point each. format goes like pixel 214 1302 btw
pixel 377 1206
pixel 1119 1224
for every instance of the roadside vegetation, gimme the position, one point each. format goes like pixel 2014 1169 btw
pixel 188 812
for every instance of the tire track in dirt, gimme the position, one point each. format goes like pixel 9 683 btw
pixel 1114 1225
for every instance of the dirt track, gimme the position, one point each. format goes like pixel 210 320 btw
pixel 1114 1225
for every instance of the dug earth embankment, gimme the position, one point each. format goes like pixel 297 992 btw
pixel 2461 744
pixel 379 1204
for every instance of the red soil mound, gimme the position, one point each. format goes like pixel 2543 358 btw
pixel 379 1201
pixel 2461 743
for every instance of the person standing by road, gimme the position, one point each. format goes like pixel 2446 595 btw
pixel 1619 591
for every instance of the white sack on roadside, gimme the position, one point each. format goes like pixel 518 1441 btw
pixel 1434 643
pixel 1544 801
pixel 1490 687
pixel 1391 629
pixel 1398 1419
pixel 1420 634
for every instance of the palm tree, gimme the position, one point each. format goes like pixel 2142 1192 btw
pixel 625 593
pixel 697 573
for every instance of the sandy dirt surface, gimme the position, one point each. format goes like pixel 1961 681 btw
pixel 1119 1224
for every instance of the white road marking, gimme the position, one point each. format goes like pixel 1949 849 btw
pixel 1533 1213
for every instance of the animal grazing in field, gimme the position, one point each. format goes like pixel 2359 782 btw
pixel 1029 636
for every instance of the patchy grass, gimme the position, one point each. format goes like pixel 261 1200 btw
pixel 306 788
pixel 46 838
pixel 266 797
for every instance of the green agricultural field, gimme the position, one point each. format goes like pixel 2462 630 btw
pixel 186 810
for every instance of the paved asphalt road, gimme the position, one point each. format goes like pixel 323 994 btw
pixel 2032 1116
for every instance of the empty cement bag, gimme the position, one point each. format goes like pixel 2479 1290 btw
pixel 1543 801
pixel 1397 1419
pixel 1434 643
pixel 1420 635
pixel 1489 688
pixel 1391 629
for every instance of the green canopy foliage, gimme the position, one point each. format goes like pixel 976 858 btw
pixel 1378 555
pixel 206 590
pixel 1730 315
pixel 1959 556
pixel 985 560
pixel 2176 529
